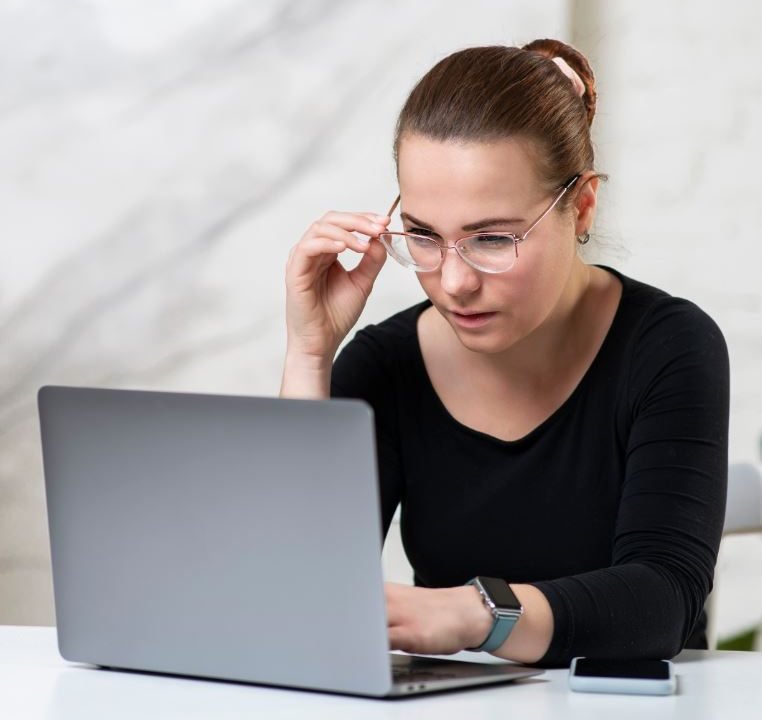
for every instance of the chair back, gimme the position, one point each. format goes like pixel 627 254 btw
pixel 743 514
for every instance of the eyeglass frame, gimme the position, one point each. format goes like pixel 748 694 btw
pixel 455 246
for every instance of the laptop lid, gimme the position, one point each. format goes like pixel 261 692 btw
pixel 217 536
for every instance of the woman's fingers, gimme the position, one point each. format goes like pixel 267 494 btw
pixel 396 595
pixel 302 259
pixel 399 639
pixel 367 223
pixel 367 270
pixel 334 233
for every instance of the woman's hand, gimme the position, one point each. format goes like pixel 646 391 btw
pixel 435 621
pixel 323 300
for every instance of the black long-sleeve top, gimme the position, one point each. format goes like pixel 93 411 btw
pixel 612 507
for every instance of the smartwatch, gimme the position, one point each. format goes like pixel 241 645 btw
pixel 504 606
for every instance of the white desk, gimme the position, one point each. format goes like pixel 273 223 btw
pixel 36 683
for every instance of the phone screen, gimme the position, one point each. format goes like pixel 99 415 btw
pixel 640 669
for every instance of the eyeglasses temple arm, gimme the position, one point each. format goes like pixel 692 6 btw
pixel 394 206
pixel 552 205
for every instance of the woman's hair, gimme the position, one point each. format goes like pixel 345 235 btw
pixel 490 93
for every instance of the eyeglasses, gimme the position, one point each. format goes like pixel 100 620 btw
pixel 486 252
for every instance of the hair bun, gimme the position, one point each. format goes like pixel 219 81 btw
pixel 550 48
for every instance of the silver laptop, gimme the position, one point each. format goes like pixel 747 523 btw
pixel 226 537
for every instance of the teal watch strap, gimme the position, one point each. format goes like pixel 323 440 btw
pixel 505 611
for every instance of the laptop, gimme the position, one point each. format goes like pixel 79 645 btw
pixel 226 537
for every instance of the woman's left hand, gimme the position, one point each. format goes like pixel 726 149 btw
pixel 435 621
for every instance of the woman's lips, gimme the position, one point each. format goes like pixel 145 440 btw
pixel 472 320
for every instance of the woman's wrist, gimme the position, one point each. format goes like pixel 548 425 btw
pixel 477 618
pixel 306 376
pixel 531 636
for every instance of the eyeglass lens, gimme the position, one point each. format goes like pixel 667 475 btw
pixel 487 252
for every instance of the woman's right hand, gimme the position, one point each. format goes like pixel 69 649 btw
pixel 323 299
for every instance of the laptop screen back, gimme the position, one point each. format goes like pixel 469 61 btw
pixel 229 537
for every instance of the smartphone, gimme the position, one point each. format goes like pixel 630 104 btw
pixel 636 677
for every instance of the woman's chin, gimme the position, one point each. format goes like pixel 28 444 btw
pixel 487 343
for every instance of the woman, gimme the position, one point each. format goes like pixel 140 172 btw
pixel 543 421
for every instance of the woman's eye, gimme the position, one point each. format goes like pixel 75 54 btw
pixel 493 241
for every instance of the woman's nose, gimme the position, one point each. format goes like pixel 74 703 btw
pixel 457 276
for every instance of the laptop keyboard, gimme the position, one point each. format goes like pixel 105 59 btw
pixel 409 675
pixel 414 672
pixel 406 669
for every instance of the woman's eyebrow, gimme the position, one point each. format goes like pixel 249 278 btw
pixel 478 225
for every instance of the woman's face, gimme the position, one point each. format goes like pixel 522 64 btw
pixel 449 185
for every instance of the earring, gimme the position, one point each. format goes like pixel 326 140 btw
pixel 583 239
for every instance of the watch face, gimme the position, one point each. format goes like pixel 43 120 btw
pixel 501 593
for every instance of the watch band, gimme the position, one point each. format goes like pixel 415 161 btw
pixel 504 619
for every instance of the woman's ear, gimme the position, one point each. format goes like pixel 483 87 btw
pixel 585 203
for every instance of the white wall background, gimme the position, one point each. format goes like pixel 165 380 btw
pixel 158 160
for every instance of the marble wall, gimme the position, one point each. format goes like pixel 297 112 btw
pixel 158 160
